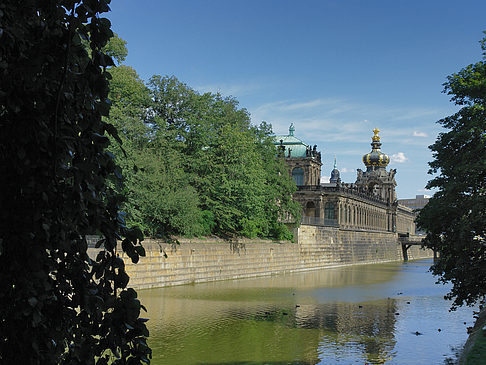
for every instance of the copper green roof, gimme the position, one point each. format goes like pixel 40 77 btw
pixel 297 147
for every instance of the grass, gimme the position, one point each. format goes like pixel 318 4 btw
pixel 477 355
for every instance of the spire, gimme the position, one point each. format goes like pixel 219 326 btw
pixel 376 137
pixel 291 129
pixel 335 178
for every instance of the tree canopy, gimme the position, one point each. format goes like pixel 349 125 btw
pixel 455 217
pixel 58 304
pixel 194 164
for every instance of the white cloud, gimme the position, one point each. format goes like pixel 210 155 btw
pixel 229 90
pixel 325 179
pixel 345 169
pixel 339 120
pixel 306 104
pixel 419 134
pixel 399 158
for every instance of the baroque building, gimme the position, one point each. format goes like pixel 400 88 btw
pixel 369 203
pixel 304 161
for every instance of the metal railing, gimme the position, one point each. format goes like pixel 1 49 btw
pixel 354 191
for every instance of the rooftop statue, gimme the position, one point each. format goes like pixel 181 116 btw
pixel 291 129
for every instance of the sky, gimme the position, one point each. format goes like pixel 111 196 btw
pixel 336 69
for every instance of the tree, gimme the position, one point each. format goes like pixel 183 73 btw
pixel 159 198
pixel 116 48
pixel 228 163
pixel 58 305
pixel 193 164
pixel 455 217
pixel 130 100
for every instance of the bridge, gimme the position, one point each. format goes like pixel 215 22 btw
pixel 407 240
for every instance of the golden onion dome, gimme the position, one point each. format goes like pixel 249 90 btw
pixel 376 158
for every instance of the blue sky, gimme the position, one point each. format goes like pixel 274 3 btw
pixel 335 68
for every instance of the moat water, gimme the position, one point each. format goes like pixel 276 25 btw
pixel 369 314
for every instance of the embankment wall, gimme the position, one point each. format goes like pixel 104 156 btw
pixel 195 261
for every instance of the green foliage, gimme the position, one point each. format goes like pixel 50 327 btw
pixel 207 222
pixel 116 48
pixel 201 167
pixel 159 198
pixel 58 305
pixel 455 217
pixel 230 163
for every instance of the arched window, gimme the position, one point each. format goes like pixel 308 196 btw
pixel 298 176
pixel 329 211
pixel 310 209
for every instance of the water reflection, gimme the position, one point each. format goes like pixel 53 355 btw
pixel 342 315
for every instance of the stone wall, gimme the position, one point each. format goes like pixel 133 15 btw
pixel 195 261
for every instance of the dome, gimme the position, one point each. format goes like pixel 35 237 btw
pixel 335 178
pixel 376 158
pixel 293 146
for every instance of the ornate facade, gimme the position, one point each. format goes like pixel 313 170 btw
pixel 367 204
pixel 304 161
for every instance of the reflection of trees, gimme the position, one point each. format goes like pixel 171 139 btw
pixel 236 330
pixel 234 321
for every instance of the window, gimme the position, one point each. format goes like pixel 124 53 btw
pixel 329 211
pixel 298 176
pixel 310 209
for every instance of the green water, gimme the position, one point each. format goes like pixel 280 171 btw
pixel 368 314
